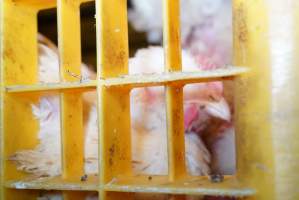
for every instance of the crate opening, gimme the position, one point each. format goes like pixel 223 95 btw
pixel 146 22
pixel 48 56
pixel 45 195
pixel 47 24
pixel 43 158
pixel 148 131
pixel 207 116
pixel 88 34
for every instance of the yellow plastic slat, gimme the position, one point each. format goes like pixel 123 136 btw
pixel 142 184
pixel 253 98
pixel 55 183
pixel 267 97
pixel 1 102
pixel 191 186
pixel 69 38
pixel 45 4
pixel 18 49
pixel 174 94
pixel 70 60
pixel 69 86
pixel 177 78
pixel 134 81
pixel 114 104
pixel 38 4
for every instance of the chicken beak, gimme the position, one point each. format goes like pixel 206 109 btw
pixel 219 109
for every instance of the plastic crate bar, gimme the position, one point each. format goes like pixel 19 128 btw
pixel 71 86
pixel 55 183
pixel 266 99
pixel 45 4
pixel 18 38
pixel 188 185
pixel 133 81
pixel 113 103
pixel 142 184
pixel 173 78
pixel 72 136
pixel 174 94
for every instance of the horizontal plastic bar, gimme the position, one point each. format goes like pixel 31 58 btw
pixel 191 186
pixel 46 4
pixel 52 87
pixel 90 183
pixel 147 80
pixel 142 184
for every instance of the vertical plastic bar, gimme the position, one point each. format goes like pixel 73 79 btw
pixel 255 155
pixel 267 97
pixel 174 94
pixel 18 66
pixel 114 104
pixel 1 102
pixel 71 102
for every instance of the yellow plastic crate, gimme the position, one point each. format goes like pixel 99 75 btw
pixel 263 139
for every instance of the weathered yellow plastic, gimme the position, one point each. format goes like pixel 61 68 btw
pixel 174 93
pixel 266 39
pixel 267 144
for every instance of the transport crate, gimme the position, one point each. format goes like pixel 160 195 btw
pixel 267 143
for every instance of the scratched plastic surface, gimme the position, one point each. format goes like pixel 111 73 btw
pixel 260 174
